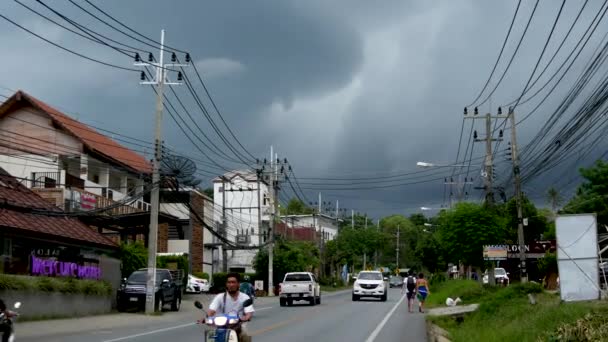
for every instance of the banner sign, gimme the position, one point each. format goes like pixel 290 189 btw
pixel 54 268
pixel 495 252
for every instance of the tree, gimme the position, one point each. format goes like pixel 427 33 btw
pixel 289 256
pixel 592 194
pixel 465 229
pixel 296 207
pixel 537 223
pixel 209 192
pixel 554 198
pixel 418 219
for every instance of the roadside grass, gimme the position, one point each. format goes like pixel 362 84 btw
pixel 505 314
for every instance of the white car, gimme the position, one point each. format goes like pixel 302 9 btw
pixel 501 276
pixel 370 284
pixel 300 286
pixel 197 285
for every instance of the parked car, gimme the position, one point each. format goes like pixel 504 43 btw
pixel 132 291
pixel 395 281
pixel 370 284
pixel 197 285
pixel 501 276
pixel 300 286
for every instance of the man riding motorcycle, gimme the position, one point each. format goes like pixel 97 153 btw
pixel 6 326
pixel 232 301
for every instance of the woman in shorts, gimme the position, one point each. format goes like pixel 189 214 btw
pixel 422 291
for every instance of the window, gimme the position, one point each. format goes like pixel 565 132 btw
pixel 297 277
pixel 370 276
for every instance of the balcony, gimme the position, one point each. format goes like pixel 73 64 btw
pixel 74 194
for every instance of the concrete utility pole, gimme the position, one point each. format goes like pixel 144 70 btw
pixel 398 232
pixel 160 81
pixel 353 218
pixel 518 199
pixel 488 172
pixel 224 230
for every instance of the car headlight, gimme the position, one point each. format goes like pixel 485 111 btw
pixel 220 321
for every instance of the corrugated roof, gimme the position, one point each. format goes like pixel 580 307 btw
pixel 92 139
pixel 17 195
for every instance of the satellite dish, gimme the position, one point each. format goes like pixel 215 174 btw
pixel 180 168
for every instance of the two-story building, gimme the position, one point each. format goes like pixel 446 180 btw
pixel 243 205
pixel 67 162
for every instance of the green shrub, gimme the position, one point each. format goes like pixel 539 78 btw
pixel 62 285
pixel 219 281
pixel 201 275
pixel 133 256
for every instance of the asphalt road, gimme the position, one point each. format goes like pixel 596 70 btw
pixel 336 319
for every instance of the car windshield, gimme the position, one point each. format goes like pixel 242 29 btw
pixel 140 277
pixel 500 271
pixel 396 278
pixel 297 277
pixel 370 276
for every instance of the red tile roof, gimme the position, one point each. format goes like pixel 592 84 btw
pixel 92 139
pixel 14 214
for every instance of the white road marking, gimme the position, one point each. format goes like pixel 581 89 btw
pixel 150 332
pixel 167 329
pixel 375 333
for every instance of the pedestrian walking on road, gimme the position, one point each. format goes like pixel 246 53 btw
pixel 422 291
pixel 410 287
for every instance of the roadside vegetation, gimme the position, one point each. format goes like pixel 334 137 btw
pixel 505 314
pixel 49 284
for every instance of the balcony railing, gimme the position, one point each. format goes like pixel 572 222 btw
pixel 45 179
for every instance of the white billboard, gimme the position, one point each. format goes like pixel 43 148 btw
pixel 577 257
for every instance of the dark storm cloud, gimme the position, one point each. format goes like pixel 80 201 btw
pixel 338 87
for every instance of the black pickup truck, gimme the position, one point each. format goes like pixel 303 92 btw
pixel 132 291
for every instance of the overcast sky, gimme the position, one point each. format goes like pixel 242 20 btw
pixel 340 88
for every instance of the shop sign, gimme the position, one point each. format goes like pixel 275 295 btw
pixel 495 252
pixel 54 268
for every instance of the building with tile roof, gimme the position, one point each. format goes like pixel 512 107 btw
pixel 67 162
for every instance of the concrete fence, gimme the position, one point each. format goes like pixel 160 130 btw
pixel 38 305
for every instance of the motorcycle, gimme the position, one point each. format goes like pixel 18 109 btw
pixel 224 327
pixel 9 320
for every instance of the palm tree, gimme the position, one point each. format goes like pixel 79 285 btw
pixel 554 198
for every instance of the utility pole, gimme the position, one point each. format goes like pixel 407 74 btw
pixel 376 252
pixel 224 231
pixel 353 218
pixel 273 225
pixel 460 186
pixel 488 168
pixel 160 81
pixel 398 231
pixel 518 199
pixel 320 204
pixel 275 175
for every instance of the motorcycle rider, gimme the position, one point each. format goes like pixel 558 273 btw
pixel 247 288
pixel 232 301
pixel 6 327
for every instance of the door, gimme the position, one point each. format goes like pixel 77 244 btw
pixel 167 287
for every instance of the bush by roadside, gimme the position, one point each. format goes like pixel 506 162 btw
pixel 62 285
pixel 505 313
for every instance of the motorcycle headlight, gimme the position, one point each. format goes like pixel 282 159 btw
pixel 233 321
pixel 209 320
pixel 220 321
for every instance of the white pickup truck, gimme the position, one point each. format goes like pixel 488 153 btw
pixel 299 286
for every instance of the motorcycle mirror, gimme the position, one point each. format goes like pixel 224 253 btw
pixel 247 303
pixel 198 305
pixel 17 305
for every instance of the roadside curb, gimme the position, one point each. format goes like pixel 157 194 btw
pixel 435 333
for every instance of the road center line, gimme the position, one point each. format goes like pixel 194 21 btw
pixel 375 333
pixel 167 329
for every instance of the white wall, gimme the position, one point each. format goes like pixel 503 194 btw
pixel 244 219
pixel 23 168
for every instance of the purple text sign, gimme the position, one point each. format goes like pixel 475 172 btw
pixel 53 268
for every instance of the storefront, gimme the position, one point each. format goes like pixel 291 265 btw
pixel 38 239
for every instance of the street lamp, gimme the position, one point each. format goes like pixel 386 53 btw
pixel 428 165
